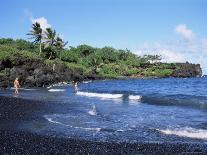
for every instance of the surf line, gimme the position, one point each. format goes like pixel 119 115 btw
pixel 186 132
pixel 108 96
pixel 56 90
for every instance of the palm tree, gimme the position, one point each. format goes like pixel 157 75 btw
pixel 60 44
pixel 50 39
pixel 37 34
pixel 50 36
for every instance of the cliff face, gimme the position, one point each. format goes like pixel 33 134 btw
pixel 187 70
pixel 35 73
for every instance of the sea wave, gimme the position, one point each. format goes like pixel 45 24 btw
pixel 87 81
pixel 100 95
pixel 110 96
pixel 60 84
pixel 176 100
pixel 23 88
pixel 93 111
pixel 186 132
pixel 56 90
pixel 52 121
pixel 135 97
pixel 75 127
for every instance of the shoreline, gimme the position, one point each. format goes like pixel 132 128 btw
pixel 64 83
pixel 15 141
pixel 21 142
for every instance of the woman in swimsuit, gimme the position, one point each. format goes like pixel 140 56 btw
pixel 16 86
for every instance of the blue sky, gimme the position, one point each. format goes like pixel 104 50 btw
pixel 176 29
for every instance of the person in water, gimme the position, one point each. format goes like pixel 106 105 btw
pixel 76 85
pixel 16 86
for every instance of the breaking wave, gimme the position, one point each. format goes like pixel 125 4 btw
pixel 135 97
pixel 100 95
pixel 168 100
pixel 87 81
pixel 93 111
pixel 177 100
pixel 56 90
pixel 110 96
pixel 186 132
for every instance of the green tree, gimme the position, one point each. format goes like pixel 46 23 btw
pixel 60 44
pixel 109 55
pixel 123 55
pixel 49 41
pixel 37 35
pixel 153 58
pixel 85 50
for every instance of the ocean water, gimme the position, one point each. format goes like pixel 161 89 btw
pixel 133 110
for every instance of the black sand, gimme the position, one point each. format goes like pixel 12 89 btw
pixel 15 141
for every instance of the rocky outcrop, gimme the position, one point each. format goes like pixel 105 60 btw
pixel 187 70
pixel 35 73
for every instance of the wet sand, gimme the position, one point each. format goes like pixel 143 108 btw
pixel 15 141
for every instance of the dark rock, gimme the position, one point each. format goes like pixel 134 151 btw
pixel 6 64
pixel 29 81
pixel 35 73
pixel 187 70
pixel 4 82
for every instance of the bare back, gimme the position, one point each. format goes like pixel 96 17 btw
pixel 16 83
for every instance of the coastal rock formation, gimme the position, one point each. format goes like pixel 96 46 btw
pixel 35 73
pixel 187 70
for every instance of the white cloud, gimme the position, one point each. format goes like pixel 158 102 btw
pixel 186 33
pixel 190 48
pixel 171 56
pixel 42 21
pixel 167 54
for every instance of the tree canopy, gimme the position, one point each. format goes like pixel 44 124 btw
pixel 106 61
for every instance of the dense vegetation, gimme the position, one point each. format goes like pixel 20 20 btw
pixel 105 62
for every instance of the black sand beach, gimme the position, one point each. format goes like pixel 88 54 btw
pixel 15 141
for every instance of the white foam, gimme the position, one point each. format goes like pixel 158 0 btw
pixel 52 121
pixel 186 132
pixel 49 87
pixel 22 88
pixel 100 95
pixel 91 129
pixel 58 85
pixel 135 97
pixel 56 90
pixel 87 81
pixel 76 127
pixel 93 111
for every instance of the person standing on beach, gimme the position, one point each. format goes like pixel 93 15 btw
pixel 16 86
